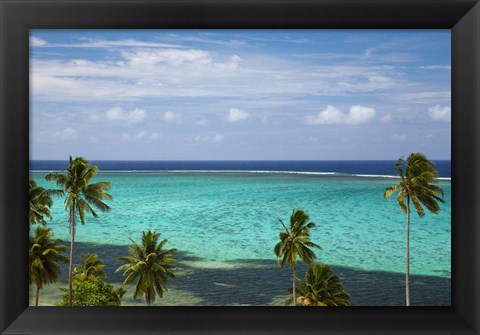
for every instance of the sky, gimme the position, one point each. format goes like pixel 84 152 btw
pixel 240 94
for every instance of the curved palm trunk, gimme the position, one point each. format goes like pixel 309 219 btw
pixel 38 293
pixel 293 288
pixel 407 272
pixel 72 240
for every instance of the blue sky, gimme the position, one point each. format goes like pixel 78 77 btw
pixel 239 94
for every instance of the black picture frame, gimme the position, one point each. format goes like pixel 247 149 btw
pixel 18 16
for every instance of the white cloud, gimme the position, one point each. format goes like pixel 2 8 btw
pixel 379 79
pixel 172 57
pixel 172 117
pixel 198 39
pixel 368 52
pixel 360 114
pixel 424 96
pixel 286 39
pixel 149 82
pixel 67 134
pixel 134 116
pixel 129 42
pixel 368 55
pixel 232 65
pixel 331 115
pixel 435 67
pixel 235 58
pixel 387 118
pixel 139 73
pixel 215 138
pixel 237 115
pixel 328 116
pixel 37 42
pixel 438 113
pixel 140 136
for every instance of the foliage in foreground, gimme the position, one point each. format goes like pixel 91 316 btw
pixel 149 265
pixel 91 268
pixel 82 197
pixel 43 257
pixel 39 203
pixel 416 186
pixel 93 293
pixel 321 287
pixel 295 242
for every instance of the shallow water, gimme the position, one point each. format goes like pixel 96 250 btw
pixel 250 282
pixel 225 224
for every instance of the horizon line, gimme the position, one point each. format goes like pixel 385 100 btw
pixel 233 160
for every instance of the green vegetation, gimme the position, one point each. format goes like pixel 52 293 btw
pixel 416 187
pixel 43 257
pixel 91 268
pixel 149 265
pixel 295 242
pixel 321 287
pixel 39 203
pixel 93 293
pixel 81 195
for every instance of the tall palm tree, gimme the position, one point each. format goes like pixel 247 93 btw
pixel 81 197
pixel 415 186
pixel 43 256
pixel 39 202
pixel 150 265
pixel 295 242
pixel 321 287
pixel 91 268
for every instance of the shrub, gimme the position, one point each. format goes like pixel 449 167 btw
pixel 94 293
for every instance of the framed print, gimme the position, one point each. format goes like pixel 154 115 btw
pixel 236 163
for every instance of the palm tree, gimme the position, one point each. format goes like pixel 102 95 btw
pixel 81 195
pixel 416 187
pixel 321 287
pixel 150 265
pixel 295 241
pixel 43 256
pixel 39 203
pixel 91 268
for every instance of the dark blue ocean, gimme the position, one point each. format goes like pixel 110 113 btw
pixel 382 167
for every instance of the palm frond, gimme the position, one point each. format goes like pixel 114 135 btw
pixel 391 190
pixel 44 255
pixel 148 264
pixel 321 287
pixel 295 240
pixel 402 201
pixel 398 167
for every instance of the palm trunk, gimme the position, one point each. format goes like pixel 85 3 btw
pixel 407 272
pixel 72 240
pixel 38 293
pixel 293 288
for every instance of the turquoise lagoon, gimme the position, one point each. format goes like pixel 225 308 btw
pixel 225 225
